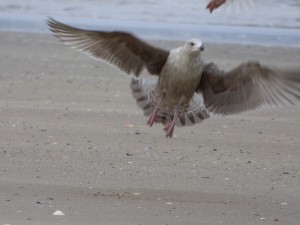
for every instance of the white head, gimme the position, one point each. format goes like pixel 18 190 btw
pixel 194 47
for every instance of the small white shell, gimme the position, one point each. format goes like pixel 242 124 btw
pixel 58 213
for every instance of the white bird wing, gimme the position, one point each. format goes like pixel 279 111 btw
pixel 240 4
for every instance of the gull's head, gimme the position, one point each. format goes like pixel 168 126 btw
pixel 194 47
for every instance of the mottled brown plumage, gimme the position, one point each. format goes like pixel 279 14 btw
pixel 247 87
pixel 122 49
pixel 185 90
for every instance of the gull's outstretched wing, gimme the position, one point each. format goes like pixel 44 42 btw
pixel 122 49
pixel 247 87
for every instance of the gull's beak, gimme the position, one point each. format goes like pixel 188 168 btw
pixel 201 47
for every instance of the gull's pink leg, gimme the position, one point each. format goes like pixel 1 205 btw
pixel 169 128
pixel 153 116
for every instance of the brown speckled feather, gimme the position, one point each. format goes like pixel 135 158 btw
pixel 186 90
pixel 122 49
pixel 247 87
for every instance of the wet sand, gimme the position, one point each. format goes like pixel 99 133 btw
pixel 72 139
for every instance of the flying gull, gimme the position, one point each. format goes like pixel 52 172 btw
pixel 181 88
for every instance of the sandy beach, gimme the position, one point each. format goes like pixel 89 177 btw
pixel 72 139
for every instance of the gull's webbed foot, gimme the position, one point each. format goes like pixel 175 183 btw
pixel 152 118
pixel 169 129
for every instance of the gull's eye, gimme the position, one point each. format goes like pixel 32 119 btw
pixel 191 43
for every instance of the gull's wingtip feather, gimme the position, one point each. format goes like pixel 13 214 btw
pixel 50 20
pixel 51 23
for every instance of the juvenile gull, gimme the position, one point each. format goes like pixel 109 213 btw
pixel 183 89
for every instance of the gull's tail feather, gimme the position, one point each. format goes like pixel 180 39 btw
pixel 142 90
pixel 196 112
